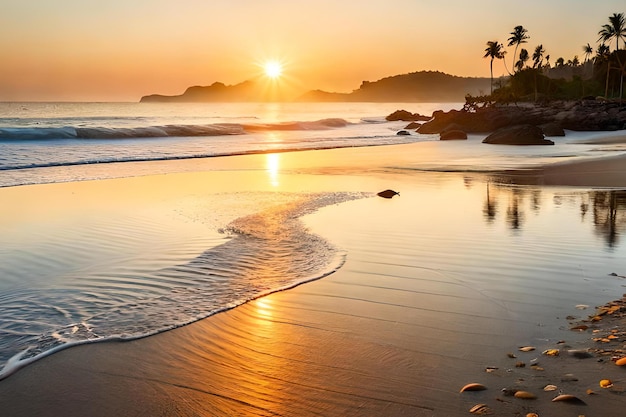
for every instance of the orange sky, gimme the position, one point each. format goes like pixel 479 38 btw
pixel 120 50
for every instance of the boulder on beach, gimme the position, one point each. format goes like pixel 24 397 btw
pixel 406 116
pixel 518 135
pixel 552 129
pixel 403 133
pixel 387 193
pixel 453 135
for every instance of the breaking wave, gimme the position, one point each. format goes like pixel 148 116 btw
pixel 166 131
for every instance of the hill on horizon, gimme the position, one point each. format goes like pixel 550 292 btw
pixel 421 86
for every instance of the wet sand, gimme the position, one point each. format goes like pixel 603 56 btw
pixel 364 341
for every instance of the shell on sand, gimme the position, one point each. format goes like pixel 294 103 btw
pixel 480 409
pixel 621 361
pixel 527 348
pixel 474 386
pixel 550 387
pixel 606 383
pixel 568 398
pixel 551 352
pixel 525 395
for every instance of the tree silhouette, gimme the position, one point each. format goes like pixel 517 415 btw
pixel 538 56
pixel 518 36
pixel 587 50
pixel 494 50
pixel 616 28
pixel 523 57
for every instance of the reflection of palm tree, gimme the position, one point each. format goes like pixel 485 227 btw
pixel 494 50
pixel 518 36
pixel 490 209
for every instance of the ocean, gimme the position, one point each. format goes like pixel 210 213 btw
pixel 106 274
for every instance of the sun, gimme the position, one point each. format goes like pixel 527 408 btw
pixel 273 69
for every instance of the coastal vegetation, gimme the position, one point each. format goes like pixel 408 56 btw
pixel 534 78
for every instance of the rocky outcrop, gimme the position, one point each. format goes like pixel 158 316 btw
pixel 406 116
pixel 453 135
pixel 583 115
pixel 518 135
pixel 552 129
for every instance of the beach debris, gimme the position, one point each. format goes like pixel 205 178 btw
pixel 511 355
pixel 481 409
pixel 582 306
pixel 490 369
pixel 591 392
pixel 568 398
pixel 527 348
pixel 580 327
pixel 551 352
pixel 550 387
pixel 520 364
pixel 387 193
pixel 532 415
pixel 580 353
pixel 525 395
pixel 621 361
pixel 606 383
pixel 474 386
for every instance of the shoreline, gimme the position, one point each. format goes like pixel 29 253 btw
pixel 354 343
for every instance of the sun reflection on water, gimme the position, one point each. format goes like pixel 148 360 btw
pixel 272 166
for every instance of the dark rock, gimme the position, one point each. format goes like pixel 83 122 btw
pixel 403 133
pixel 388 193
pixel 552 129
pixel 453 135
pixel 406 116
pixel 413 125
pixel 518 135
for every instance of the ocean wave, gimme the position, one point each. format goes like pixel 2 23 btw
pixel 216 129
pixel 263 253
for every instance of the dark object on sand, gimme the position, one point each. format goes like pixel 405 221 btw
pixel 518 135
pixel 388 193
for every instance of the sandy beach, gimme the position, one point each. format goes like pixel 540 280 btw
pixel 386 335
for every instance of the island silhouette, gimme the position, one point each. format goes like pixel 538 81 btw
pixel 415 87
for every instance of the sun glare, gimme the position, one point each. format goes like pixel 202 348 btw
pixel 273 69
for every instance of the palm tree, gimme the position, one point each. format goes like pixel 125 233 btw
pixel 518 36
pixel 587 50
pixel 602 53
pixel 494 50
pixel 616 28
pixel 538 56
pixel 523 57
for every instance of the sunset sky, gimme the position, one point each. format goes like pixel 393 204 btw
pixel 120 50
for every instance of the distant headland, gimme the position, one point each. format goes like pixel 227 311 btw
pixel 415 87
